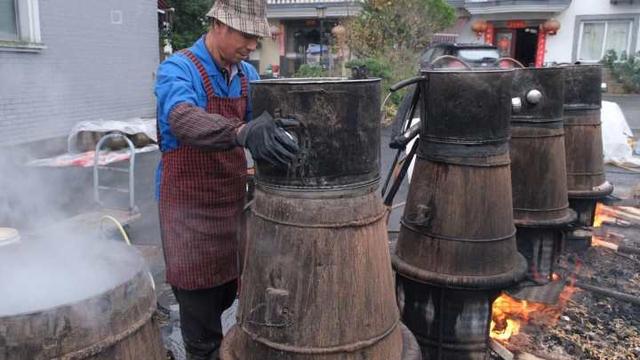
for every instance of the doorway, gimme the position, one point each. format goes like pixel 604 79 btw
pixel 526 46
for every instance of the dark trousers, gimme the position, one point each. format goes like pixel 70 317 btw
pixel 200 312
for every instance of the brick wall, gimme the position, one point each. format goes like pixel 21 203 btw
pixel 91 69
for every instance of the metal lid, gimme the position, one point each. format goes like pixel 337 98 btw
pixel 8 236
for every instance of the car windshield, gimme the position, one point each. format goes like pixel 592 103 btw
pixel 478 55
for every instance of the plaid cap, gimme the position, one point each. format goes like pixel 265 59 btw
pixel 248 16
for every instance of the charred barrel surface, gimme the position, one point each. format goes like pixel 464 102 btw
pixel 76 319
pixel 317 282
pixel 583 133
pixel 459 218
pixel 538 168
pixel 461 329
pixel 467 117
pixel 339 135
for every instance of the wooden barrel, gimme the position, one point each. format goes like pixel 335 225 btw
pixel 538 165
pixel 458 218
pixel 317 281
pixel 115 323
pixel 456 245
pixel 583 133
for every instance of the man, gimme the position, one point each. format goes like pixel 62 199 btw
pixel 203 110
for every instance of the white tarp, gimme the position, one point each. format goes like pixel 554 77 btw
pixel 130 127
pixel 616 136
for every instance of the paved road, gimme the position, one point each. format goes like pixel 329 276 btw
pixel 630 105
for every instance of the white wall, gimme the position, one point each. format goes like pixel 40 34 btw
pixel 561 46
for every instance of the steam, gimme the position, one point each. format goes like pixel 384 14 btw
pixel 63 268
pixel 54 264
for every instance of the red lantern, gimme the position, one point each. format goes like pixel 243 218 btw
pixel 275 31
pixel 338 31
pixel 479 26
pixel 551 26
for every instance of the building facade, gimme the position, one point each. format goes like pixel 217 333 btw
pixel 302 34
pixel 587 28
pixel 62 62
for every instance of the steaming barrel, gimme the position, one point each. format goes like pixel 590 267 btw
pixel 538 169
pixel 97 304
pixel 538 165
pixel 456 247
pixel 317 280
pixel 458 218
pixel 583 132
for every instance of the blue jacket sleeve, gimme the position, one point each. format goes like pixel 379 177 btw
pixel 252 75
pixel 174 86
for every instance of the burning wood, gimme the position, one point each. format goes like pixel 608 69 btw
pixel 510 314
pixel 616 215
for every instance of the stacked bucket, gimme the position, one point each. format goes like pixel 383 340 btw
pixel 317 281
pixel 456 248
pixel 583 141
pixel 538 175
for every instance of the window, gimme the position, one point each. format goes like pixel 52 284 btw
pixel 596 37
pixel 8 20
pixel 20 25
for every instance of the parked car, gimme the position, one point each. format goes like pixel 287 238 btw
pixel 475 55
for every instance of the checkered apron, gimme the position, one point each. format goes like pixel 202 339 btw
pixel 201 199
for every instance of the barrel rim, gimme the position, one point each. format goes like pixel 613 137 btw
pixel 555 68
pixel 465 71
pixel 318 80
pixel 462 282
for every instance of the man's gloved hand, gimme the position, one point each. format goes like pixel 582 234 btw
pixel 267 140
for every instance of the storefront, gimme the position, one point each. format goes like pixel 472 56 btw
pixel 523 40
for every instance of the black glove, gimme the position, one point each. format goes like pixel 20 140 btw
pixel 267 140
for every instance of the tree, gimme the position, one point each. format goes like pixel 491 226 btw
pixel 189 22
pixel 390 34
pixel 386 26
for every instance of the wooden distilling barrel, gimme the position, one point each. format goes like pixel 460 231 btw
pixel 456 248
pixel 583 143
pixel 317 281
pixel 76 299
pixel 538 168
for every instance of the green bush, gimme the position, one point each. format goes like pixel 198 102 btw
pixel 625 69
pixel 377 68
pixel 310 71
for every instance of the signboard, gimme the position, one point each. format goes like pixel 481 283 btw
pixel 516 24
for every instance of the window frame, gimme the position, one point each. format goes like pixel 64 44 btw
pixel 604 49
pixel 28 28
pixel 632 37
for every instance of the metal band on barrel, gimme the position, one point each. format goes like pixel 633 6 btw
pixel 349 348
pixel 352 223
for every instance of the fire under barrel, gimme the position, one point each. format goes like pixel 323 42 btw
pixel 317 281
pixel 76 300
pixel 583 141
pixel 538 170
pixel 456 247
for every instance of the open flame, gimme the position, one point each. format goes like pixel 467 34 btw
pixel 601 216
pixel 510 314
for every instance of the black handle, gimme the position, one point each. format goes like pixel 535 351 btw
pixel 405 83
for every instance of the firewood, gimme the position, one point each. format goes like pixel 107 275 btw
pixel 500 350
